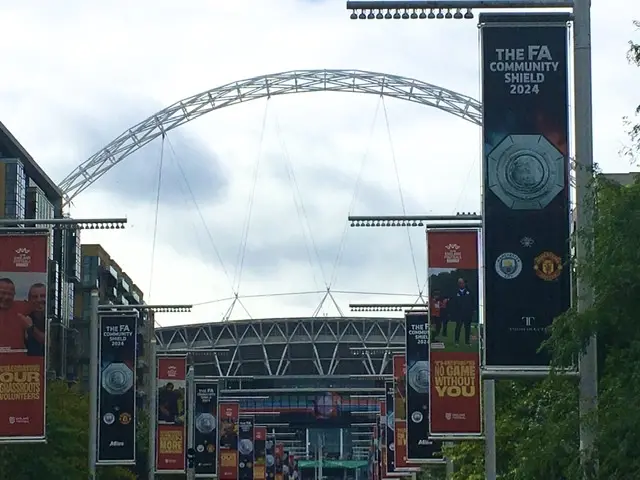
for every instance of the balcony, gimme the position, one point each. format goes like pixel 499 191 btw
pixel 124 285
pixel 110 275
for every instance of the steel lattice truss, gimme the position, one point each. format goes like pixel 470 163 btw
pixel 293 346
pixel 265 86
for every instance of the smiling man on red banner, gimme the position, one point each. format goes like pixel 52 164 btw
pixel 23 290
pixel 454 356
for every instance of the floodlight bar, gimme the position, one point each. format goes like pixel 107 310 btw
pixel 67 223
pixel 440 9
pixel 410 220
pixel 144 306
pixel 384 307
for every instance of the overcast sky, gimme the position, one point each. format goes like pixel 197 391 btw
pixel 76 74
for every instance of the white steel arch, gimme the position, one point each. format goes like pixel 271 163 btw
pixel 295 81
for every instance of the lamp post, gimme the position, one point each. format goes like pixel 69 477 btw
pixel 152 384
pixel 584 174
pixel 22 225
pixel 583 131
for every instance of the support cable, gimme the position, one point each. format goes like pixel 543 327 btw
pixel 156 214
pixel 300 208
pixel 237 278
pixel 354 198
pixel 404 208
pixel 201 216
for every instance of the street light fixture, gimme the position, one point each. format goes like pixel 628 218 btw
pixel 470 219
pixel 65 223
pixel 385 307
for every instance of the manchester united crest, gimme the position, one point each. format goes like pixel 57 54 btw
pixel 548 266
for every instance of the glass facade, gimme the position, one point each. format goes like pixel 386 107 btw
pixel 39 206
pixel 15 186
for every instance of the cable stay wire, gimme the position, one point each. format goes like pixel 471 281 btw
pixel 402 203
pixel 354 197
pixel 196 205
pixel 290 294
pixel 237 277
pixel 464 185
pixel 299 204
pixel 156 214
pixel 155 218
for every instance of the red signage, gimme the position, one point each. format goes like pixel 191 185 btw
pixel 23 335
pixel 171 431
pixel 454 353
pixel 453 249
pixel 400 411
pixel 260 462
pixel 228 420
pixel 279 458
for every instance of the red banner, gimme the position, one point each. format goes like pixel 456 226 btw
pixel 171 431
pixel 260 463
pixel 23 336
pixel 454 353
pixel 279 457
pixel 228 430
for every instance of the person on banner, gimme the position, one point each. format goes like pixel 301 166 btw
pixel 462 307
pixel 35 335
pixel 15 323
pixel 169 408
pixel 438 306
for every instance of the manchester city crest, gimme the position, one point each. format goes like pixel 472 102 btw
pixel 508 265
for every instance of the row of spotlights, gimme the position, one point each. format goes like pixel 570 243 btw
pixel 91 226
pixel 72 226
pixel 368 14
pixel 376 309
pixel 387 223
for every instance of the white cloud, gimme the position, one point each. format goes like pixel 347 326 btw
pixel 77 73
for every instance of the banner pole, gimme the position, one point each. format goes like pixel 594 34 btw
pixel 93 383
pixel 583 129
pixel 153 388
pixel 490 429
pixel 191 403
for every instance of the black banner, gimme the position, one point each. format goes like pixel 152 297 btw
pixel 117 390
pixel 390 425
pixel 525 100
pixel 419 446
pixel 270 448
pixel 206 421
pixel 245 447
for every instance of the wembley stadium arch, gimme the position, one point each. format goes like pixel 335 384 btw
pixel 288 360
pixel 265 86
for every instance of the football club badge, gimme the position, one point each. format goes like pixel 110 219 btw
pixel 548 266
pixel 508 265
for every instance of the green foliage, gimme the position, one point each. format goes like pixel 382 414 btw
pixel 64 456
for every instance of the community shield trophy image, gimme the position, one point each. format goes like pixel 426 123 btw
pixel 454 319
pixel 117 410
pixel 23 335
pixel 526 191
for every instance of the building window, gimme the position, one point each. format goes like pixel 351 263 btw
pixel 15 189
